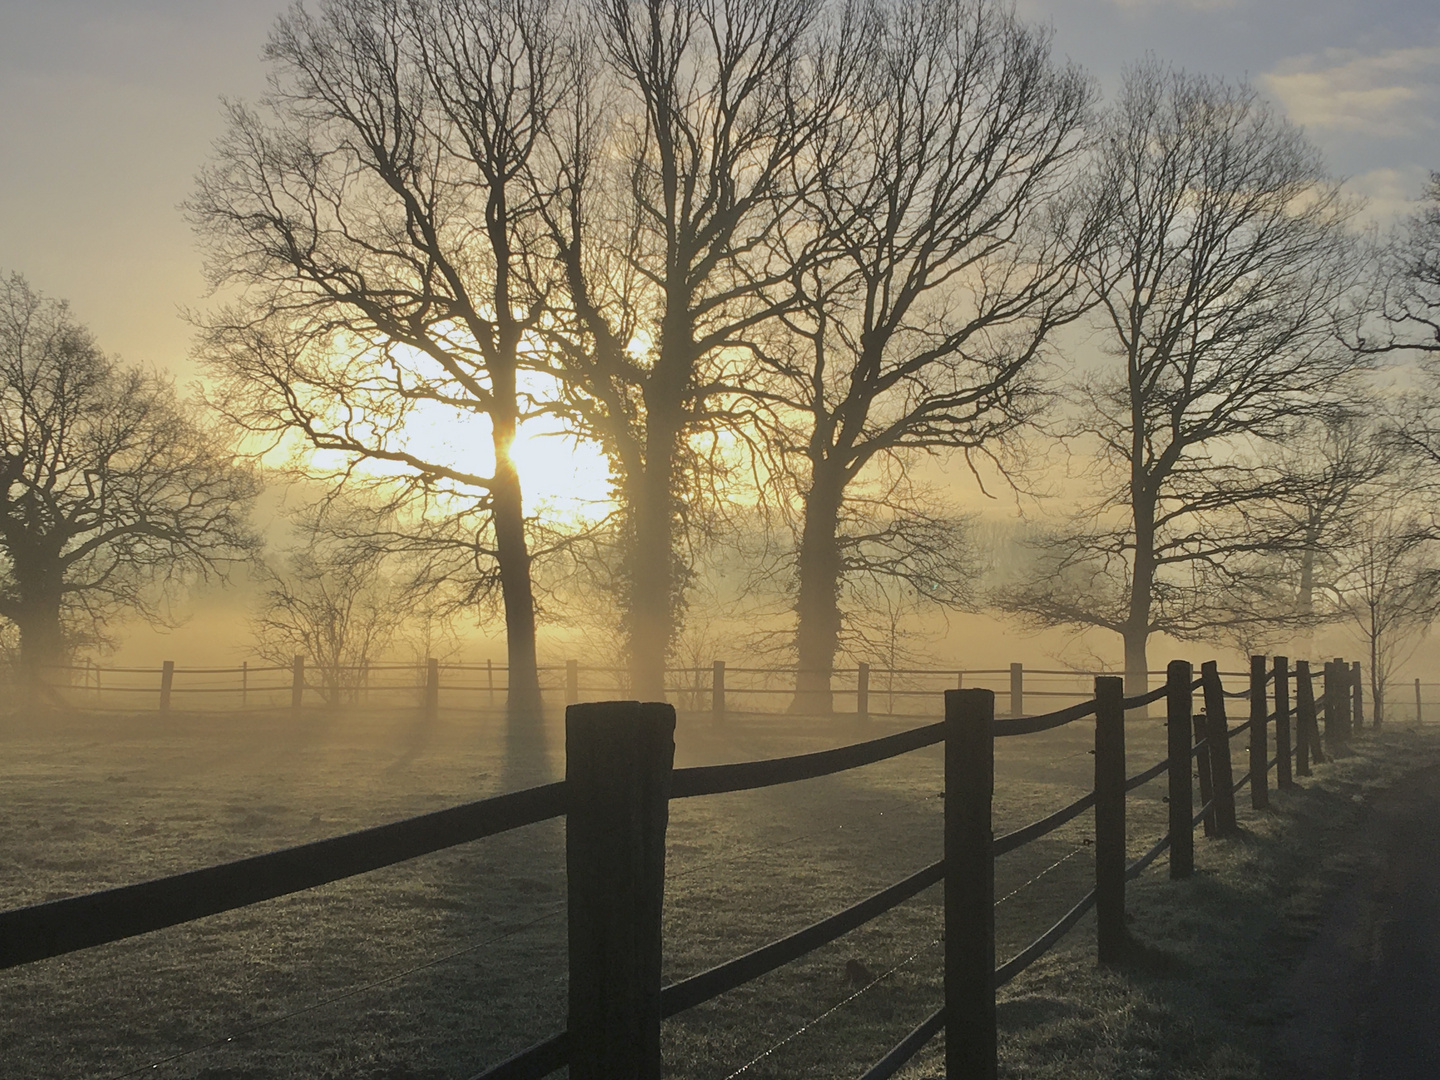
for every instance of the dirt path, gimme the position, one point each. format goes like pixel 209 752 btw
pixel 1366 997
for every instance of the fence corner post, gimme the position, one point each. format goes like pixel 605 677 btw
pixel 432 688
pixel 1217 738
pixel 970 1023
pixel 717 691
pixel 1259 736
pixel 1283 777
pixel 619 757
pixel 1110 818
pixel 862 691
pixel 297 682
pixel 1178 677
pixel 1017 689
pixel 167 680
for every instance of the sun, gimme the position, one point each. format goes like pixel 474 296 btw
pixel 562 474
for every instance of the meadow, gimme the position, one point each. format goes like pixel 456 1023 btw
pixel 443 965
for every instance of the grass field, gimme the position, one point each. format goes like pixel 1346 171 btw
pixel 438 967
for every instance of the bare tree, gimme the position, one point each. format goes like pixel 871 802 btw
pixel 943 260
pixel 330 598
pixel 1225 264
pixel 1389 589
pixel 114 494
pixel 1410 280
pixel 687 162
pixel 379 217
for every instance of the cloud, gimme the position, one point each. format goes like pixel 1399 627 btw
pixel 1391 94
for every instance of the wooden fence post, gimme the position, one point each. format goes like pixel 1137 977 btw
pixel 490 680
pixel 1110 818
pixel 1357 701
pixel 1017 689
pixel 1217 737
pixel 1307 726
pixel 167 680
pixel 432 688
pixel 1283 777
pixel 297 682
pixel 619 757
pixel 1259 736
pixel 717 691
pixel 1418 719
pixel 1202 772
pixel 1178 677
pixel 1333 695
pixel 970 1042
pixel 244 682
pixel 862 691
pixel 572 682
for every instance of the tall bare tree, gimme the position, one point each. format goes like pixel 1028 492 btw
pixel 1224 267
pixel 685 165
pixel 941 263
pixel 331 597
pixel 379 217
pixel 113 493
pixel 1389 589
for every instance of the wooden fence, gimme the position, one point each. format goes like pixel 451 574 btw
pixel 436 686
pixel 616 792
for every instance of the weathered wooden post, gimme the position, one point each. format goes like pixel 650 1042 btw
pixel 1418 718
pixel 717 691
pixel 1217 737
pixel 1017 689
pixel 297 682
pixel 1202 772
pixel 1307 725
pixel 572 682
pixel 1283 777
pixel 970 1042
pixel 432 688
pixel 862 691
pixel 1259 736
pixel 1334 696
pixel 1178 677
pixel 244 682
pixel 490 680
pixel 167 680
pixel 1357 700
pixel 619 756
pixel 1110 818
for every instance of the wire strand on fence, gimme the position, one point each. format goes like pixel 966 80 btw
pixel 711 983
pixel 1036 829
pixel 1053 866
pixel 834 1008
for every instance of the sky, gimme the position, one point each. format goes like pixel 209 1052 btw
pixel 110 107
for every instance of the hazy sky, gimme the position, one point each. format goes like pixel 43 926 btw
pixel 108 107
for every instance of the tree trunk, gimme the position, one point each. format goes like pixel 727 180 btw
pixel 512 556
pixel 1136 631
pixel 651 577
pixel 817 607
pixel 42 638
pixel 1137 679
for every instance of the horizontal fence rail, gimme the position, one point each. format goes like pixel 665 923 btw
pixel 618 749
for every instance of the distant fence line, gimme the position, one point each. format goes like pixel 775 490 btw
pixel 620 778
pixel 433 686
